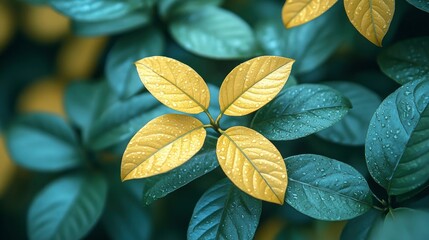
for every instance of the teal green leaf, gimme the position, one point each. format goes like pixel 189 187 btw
pixel 203 162
pixel 397 143
pixel 351 130
pixel 67 208
pixel 97 10
pixel 360 228
pixel 44 142
pixel 407 60
pixel 403 223
pixel 420 4
pixel 124 217
pixel 121 24
pixel 120 69
pixel 225 212
pixel 122 119
pixel 325 188
pixel 299 111
pixel 310 44
pixel 215 33
pixel 170 8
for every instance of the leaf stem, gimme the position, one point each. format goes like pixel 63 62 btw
pixel 218 119
pixel 212 121
pixel 378 199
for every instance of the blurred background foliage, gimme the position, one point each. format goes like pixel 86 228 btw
pixel 43 53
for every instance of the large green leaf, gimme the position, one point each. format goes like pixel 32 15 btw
pixel 403 223
pixel 120 70
pixel 299 111
pixel 169 8
pixel 325 188
pixel 97 10
pixel 397 143
pixel 351 130
pixel 361 227
pixel 44 142
pixel 225 212
pixel 420 4
pixel 310 44
pixel 121 24
pixel 67 208
pixel 122 119
pixel 407 60
pixel 215 33
pixel 203 162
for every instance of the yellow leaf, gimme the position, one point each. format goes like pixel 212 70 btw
pixel 163 144
pixel 297 12
pixel 371 17
pixel 253 84
pixel 7 169
pixel 252 163
pixel 175 84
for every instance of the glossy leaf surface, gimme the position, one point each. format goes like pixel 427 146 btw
pixel 252 163
pixel 161 145
pixel 297 12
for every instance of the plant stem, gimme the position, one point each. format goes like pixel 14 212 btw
pixel 212 122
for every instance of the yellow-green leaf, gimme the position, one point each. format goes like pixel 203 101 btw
pixel 371 17
pixel 173 83
pixel 161 145
pixel 297 12
pixel 252 163
pixel 253 84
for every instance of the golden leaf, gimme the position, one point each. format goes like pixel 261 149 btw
pixel 371 17
pixel 253 84
pixel 161 145
pixel 174 84
pixel 7 169
pixel 252 163
pixel 297 12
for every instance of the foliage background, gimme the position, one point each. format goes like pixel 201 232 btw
pixel 40 56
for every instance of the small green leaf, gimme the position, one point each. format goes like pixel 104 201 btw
pixel 123 119
pixel 225 212
pixel 203 162
pixel 420 4
pixel 310 44
pixel 407 60
pixel 67 208
pixel 360 228
pixel 397 143
pixel 170 8
pixel 97 10
pixel 402 223
pixel 215 33
pixel 120 70
pixel 299 111
pixel 325 188
pixel 43 142
pixel 351 130
pixel 121 24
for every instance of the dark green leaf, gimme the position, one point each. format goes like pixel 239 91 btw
pixel 407 60
pixel 403 223
pixel 120 70
pixel 420 4
pixel 67 208
pixel 169 8
pixel 351 130
pixel 299 111
pixel 97 10
pixel 124 216
pixel 360 228
pixel 325 188
pixel 310 44
pixel 225 212
pixel 43 142
pixel 397 143
pixel 215 33
pixel 122 119
pixel 121 24
pixel 203 162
